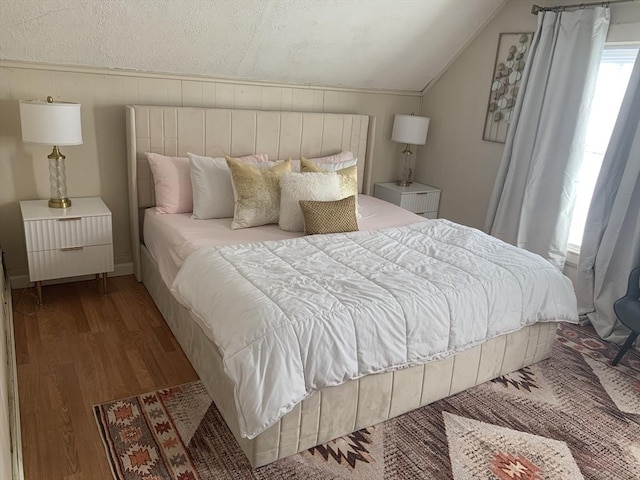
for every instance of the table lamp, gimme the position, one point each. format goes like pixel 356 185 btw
pixel 56 124
pixel 410 130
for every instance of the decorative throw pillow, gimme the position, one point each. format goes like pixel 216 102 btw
pixel 329 217
pixel 211 183
pixel 304 186
pixel 256 192
pixel 333 163
pixel 172 183
pixel 348 176
pixel 330 163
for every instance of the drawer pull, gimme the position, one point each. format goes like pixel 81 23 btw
pixel 70 249
pixel 69 219
pixel 421 193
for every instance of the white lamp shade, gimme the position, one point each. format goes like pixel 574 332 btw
pixel 55 123
pixel 410 129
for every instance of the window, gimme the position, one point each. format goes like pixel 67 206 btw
pixel 611 84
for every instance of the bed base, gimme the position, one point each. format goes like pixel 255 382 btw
pixel 336 411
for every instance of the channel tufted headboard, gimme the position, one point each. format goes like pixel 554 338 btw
pixel 216 132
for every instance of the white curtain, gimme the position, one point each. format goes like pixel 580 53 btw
pixel 534 193
pixel 611 242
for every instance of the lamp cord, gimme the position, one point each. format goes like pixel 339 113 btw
pixel 19 298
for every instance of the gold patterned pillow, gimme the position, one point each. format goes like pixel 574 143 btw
pixel 348 176
pixel 256 192
pixel 329 217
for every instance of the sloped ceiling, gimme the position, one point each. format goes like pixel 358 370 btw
pixel 387 44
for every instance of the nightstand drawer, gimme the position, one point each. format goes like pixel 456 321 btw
pixel 417 198
pixel 420 202
pixel 70 262
pixel 66 232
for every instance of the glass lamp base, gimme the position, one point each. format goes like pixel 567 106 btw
pixel 58 180
pixel 59 202
pixel 405 175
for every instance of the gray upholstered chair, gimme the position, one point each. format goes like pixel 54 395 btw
pixel 627 310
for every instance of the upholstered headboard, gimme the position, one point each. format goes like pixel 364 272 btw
pixel 218 132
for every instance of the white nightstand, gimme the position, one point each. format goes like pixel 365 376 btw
pixel 417 198
pixel 67 242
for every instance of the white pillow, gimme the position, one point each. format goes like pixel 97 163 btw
pixel 335 166
pixel 327 166
pixel 304 186
pixel 211 184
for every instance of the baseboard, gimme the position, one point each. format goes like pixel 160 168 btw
pixel 22 281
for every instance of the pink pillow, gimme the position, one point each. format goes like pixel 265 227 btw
pixel 172 181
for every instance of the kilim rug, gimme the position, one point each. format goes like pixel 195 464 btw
pixel 570 417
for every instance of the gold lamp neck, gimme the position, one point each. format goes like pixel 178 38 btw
pixel 55 154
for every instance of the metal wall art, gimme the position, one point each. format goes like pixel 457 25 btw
pixel 512 53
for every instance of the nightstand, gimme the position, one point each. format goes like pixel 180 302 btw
pixel 417 198
pixel 67 242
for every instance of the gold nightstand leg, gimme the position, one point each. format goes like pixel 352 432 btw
pixel 39 290
pixel 104 283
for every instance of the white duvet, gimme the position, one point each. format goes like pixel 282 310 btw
pixel 293 316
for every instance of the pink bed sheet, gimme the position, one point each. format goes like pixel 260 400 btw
pixel 170 238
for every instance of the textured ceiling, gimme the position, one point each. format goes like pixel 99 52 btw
pixel 390 44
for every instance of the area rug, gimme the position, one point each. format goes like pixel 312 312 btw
pixel 570 417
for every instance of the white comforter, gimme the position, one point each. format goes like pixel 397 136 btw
pixel 293 316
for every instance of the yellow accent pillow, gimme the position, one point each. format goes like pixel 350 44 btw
pixel 329 217
pixel 348 176
pixel 256 192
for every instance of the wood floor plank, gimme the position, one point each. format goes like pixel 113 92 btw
pixel 22 345
pixel 60 401
pixel 166 339
pixel 79 349
pixel 29 395
pixel 101 311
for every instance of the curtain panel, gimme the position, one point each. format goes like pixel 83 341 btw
pixel 611 242
pixel 534 193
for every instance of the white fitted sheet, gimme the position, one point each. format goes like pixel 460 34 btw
pixel 170 238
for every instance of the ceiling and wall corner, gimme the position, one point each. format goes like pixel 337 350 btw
pixel 381 44
pixel 455 158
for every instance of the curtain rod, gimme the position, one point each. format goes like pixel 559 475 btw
pixel 535 9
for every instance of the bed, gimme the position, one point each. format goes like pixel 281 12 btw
pixel 328 412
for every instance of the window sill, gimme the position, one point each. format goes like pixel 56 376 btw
pixel 573 253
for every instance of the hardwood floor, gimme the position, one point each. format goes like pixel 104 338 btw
pixel 82 348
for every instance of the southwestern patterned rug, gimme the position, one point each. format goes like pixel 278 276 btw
pixel 569 417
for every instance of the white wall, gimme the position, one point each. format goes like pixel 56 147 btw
pixel 98 167
pixel 455 157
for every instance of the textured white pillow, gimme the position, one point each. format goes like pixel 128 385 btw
pixel 211 184
pixel 304 186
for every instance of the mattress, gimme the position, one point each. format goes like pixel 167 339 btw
pixel 170 238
